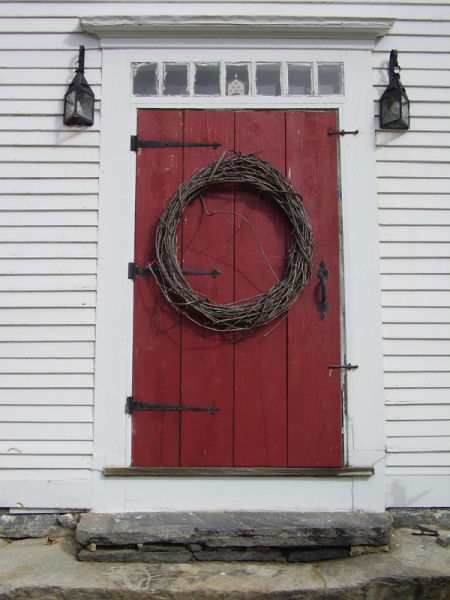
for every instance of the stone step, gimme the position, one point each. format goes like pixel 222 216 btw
pixel 234 535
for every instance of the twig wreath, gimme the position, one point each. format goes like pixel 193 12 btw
pixel 244 316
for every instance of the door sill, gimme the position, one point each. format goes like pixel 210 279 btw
pixel 238 471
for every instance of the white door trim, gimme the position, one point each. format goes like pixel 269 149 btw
pixel 365 406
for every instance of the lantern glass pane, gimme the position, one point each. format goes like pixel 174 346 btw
pixel 175 80
pixel 268 82
pixel 69 107
pixel 207 79
pixel 299 79
pixel 145 80
pixel 85 106
pixel 330 79
pixel 405 109
pixel 237 80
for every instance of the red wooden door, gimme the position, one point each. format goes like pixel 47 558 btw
pixel 279 403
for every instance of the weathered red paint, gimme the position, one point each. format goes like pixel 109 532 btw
pixel 279 405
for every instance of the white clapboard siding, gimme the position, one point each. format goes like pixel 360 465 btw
pixel 49 250
pixel 47 396
pixel 46 365
pixel 34 299
pixel 47 266
pixel 422 396
pixel 47 447
pixel 417 298
pixel 48 235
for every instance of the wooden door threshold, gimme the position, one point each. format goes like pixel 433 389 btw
pixel 238 471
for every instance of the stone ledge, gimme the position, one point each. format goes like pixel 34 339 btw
pixel 237 532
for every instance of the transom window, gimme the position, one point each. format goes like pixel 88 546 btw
pixel 237 79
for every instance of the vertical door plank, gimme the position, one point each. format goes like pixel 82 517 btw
pixel 260 359
pixel 314 436
pixel 207 357
pixel 156 356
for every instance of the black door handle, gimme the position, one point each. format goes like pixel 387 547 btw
pixel 323 273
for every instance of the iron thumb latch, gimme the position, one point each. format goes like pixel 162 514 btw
pixel 136 143
pixel 347 367
pixel 131 405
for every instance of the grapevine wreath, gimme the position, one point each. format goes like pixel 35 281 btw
pixel 243 316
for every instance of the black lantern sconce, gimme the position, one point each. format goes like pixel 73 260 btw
pixel 79 98
pixel 394 103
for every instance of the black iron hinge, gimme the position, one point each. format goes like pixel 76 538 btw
pixel 131 405
pixel 135 270
pixel 137 143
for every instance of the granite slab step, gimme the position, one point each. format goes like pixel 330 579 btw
pixel 236 529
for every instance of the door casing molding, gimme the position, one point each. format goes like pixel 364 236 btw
pixel 364 427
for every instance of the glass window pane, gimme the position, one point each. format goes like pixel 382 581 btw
pixel 330 79
pixel 299 79
pixel 268 79
pixel 207 80
pixel 175 80
pixel 237 80
pixel 145 80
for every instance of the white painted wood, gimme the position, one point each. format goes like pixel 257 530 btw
pixel 51 492
pixel 45 154
pixel 48 218
pixel 47 316
pixel 418 459
pixel 230 25
pixel 47 447
pixel 53 380
pixel 47 396
pixel 47 266
pixel 47 350
pixel 46 365
pixel 415 217
pixel 425 347
pixel 46 431
pixel 419 444
pixel 415 249
pixel 417 363
pixel 425 281
pixel 50 333
pixel 48 250
pixel 45 170
pixel 428 314
pixel 47 461
pixel 54 299
pixel 50 186
pixel 417 428
pixel 418 413
pixel 46 283
pixel 429 298
pixel 48 138
pixel 414 491
pixel 400 396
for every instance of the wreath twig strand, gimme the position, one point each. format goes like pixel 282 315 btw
pixel 244 316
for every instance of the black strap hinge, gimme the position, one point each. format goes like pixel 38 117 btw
pixel 135 270
pixel 347 367
pixel 131 405
pixel 137 143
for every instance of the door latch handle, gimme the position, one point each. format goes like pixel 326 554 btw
pixel 323 273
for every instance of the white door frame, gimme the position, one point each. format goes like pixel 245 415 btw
pixel 364 427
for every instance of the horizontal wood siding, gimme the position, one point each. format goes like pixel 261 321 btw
pixel 48 234
pixel 48 261
pixel 413 170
